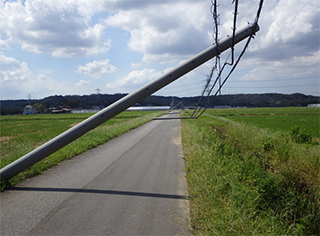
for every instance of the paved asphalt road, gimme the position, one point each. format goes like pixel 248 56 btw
pixel 132 185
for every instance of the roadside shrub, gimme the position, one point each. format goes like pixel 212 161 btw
pixel 268 145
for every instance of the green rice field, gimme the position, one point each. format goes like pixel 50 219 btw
pixel 275 119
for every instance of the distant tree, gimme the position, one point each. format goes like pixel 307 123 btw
pixel 42 108
pixel 10 110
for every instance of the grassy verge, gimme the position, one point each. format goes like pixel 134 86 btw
pixel 244 180
pixel 21 134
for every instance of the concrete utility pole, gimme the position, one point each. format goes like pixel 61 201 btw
pixel 117 107
pixel 98 95
pixel 29 98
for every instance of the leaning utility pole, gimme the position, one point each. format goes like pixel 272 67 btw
pixel 117 107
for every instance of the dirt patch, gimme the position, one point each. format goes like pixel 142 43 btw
pixel 176 140
pixel 74 124
pixel 219 130
pixel 5 138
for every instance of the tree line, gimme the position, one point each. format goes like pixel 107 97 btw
pixel 45 105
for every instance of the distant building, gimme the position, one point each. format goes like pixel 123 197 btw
pixel 94 109
pixel 62 110
pixel 30 110
pixel 314 105
pixel 148 108
pixel 222 107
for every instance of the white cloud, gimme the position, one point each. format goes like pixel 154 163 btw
pixel 16 78
pixel 4 45
pixel 42 77
pixel 284 56
pixel 12 70
pixel 134 80
pixel 135 65
pixel 292 20
pixel 82 83
pixel 166 31
pixel 279 69
pixel 97 68
pixel 55 27
pixel 288 29
pixel 46 71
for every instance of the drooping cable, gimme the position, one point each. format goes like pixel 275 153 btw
pixel 204 103
pixel 217 65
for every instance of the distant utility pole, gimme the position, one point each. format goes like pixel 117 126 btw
pixel 98 97
pixel 172 103
pixel 29 98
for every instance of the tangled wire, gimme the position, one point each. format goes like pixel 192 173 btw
pixel 207 94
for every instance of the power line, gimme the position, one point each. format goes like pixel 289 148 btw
pixel 208 89
pixel 284 86
pixel 261 81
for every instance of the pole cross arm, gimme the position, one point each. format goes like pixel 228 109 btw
pixel 117 107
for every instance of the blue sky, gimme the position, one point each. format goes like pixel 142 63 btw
pixel 78 46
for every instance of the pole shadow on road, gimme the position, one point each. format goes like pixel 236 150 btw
pixel 98 191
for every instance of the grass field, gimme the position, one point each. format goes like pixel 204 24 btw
pixel 275 119
pixel 21 134
pixel 253 171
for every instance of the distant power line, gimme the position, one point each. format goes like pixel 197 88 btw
pixel 284 86
pixel 262 81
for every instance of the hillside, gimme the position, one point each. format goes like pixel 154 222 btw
pixel 88 101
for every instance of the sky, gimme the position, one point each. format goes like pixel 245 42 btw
pixel 81 47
